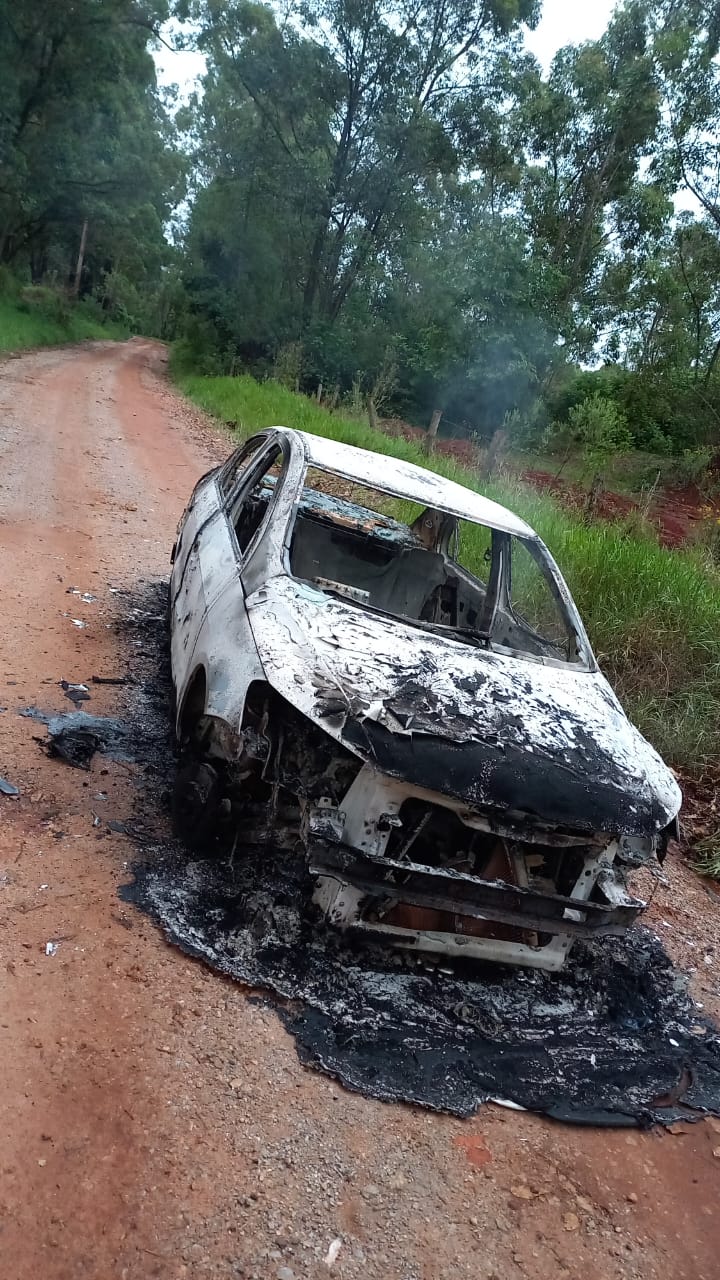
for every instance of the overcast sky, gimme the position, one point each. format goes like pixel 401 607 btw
pixel 563 22
pixel 567 22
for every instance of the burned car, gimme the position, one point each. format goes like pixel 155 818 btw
pixel 388 668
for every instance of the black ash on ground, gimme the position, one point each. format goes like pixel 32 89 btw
pixel 615 1039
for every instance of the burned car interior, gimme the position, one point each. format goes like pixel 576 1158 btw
pixel 387 670
pixel 353 547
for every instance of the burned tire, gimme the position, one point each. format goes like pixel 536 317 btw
pixel 197 807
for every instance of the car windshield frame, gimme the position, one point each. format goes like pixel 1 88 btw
pixel 498 587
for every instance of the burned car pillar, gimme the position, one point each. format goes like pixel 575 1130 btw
pixel 393 665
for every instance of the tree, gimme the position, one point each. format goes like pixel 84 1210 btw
pixel 589 129
pixel 685 45
pixel 394 195
pixel 352 107
pixel 84 139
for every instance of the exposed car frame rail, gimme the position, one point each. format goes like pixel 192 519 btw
pixel 443 889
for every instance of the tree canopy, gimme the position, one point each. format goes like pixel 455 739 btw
pixel 390 199
pixel 84 142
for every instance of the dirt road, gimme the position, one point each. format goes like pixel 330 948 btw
pixel 153 1121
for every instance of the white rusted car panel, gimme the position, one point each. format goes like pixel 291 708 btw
pixel 313 646
pixel 407 480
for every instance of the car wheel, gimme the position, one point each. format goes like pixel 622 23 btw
pixel 197 806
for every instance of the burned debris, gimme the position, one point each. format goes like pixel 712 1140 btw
pixel 76 693
pixel 615 1038
pixel 77 736
pixel 389 668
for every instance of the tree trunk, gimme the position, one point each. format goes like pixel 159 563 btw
pixel 711 366
pixel 495 450
pixel 593 498
pixel 433 430
pixel 312 282
pixel 38 264
pixel 80 259
pixel 372 414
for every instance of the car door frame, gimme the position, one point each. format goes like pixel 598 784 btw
pixel 232 503
pixel 225 646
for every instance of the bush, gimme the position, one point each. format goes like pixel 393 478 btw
pixel 10 286
pixel 666 410
pixel 52 304
pixel 600 428
pixel 692 467
pixel 288 365
pixel 596 427
pixel 42 317
pixel 198 351
pixel 528 432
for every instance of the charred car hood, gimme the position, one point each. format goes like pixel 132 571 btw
pixel 489 729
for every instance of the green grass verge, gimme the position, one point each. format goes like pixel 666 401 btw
pixel 42 319
pixel 653 615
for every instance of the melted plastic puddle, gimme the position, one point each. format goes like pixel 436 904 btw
pixel 607 1042
pixel 76 736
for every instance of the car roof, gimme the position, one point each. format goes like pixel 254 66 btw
pixel 407 480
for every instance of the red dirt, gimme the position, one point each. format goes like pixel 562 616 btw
pixel 154 1122
pixel 463 451
pixel 677 514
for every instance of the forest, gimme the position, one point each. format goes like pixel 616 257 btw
pixel 390 201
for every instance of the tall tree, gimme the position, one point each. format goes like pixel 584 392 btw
pixel 354 102
pixel 83 135
pixel 589 127
pixel 397 190
pixel 685 43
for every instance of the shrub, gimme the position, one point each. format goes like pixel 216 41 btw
pixel 288 364
pixel 41 317
pixel 52 304
pixel 9 284
pixel 692 466
pixel 601 429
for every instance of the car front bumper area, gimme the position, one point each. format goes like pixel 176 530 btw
pixel 381 888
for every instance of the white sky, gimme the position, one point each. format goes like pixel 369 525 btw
pixel 567 22
pixel 183 68
pixel 563 22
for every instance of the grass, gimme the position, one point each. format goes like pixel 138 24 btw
pixel 707 851
pixel 653 615
pixel 42 318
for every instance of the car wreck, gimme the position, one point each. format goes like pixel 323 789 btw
pixel 388 668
